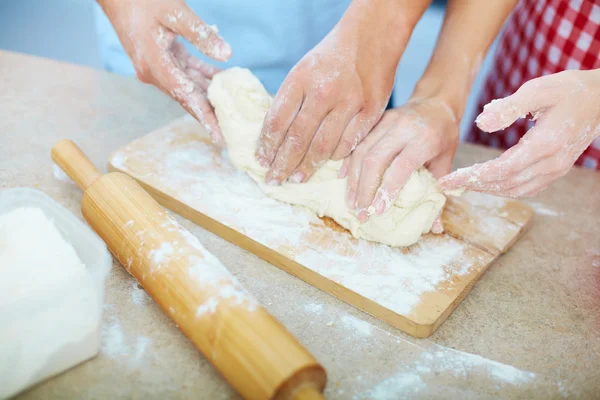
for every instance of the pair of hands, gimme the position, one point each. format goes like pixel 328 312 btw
pixel 327 104
pixel 566 110
pixel 425 131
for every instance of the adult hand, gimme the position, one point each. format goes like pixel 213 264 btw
pixel 566 110
pixel 422 132
pixel 335 94
pixel 148 30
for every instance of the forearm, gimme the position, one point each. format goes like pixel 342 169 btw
pixel 385 24
pixel 469 29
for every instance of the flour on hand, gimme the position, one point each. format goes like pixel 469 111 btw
pixel 241 102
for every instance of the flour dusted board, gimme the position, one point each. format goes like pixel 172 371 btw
pixel 412 289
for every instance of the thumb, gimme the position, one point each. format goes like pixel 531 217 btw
pixel 532 97
pixel 203 36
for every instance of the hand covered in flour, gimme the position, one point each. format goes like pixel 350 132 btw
pixel 148 31
pixel 424 131
pixel 334 95
pixel 566 110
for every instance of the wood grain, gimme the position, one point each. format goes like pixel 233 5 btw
pixel 251 349
pixel 479 226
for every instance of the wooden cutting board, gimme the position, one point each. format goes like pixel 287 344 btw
pixel 413 289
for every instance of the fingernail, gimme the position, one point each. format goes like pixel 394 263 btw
pixel 351 199
pixel 193 73
pixel 343 171
pixel 297 177
pixel 222 51
pixel 483 118
pixel 263 162
pixel 363 216
pixel 379 206
pixel 273 182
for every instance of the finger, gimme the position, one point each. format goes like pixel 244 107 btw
pixel 356 130
pixel 437 227
pixel 189 63
pixel 198 78
pixel 296 143
pixel 278 120
pixel 530 188
pixel 322 145
pixel 396 176
pixel 374 166
pixel 355 163
pixel 206 69
pixel 203 36
pixel 171 79
pixel 531 97
pixel 441 165
pixel 344 169
pixel 485 177
pixel 550 166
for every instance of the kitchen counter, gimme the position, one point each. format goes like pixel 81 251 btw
pixel 529 329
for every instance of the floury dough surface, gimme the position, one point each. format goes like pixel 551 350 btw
pixel 241 102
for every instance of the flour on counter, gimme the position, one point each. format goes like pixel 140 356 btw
pixel 541 209
pixel 438 362
pixel 60 175
pixel 359 326
pixel 114 344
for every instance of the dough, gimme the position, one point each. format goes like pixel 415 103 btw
pixel 241 102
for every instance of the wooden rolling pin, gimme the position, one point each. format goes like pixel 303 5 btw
pixel 253 351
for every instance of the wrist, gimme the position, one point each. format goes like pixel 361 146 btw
pixel 453 98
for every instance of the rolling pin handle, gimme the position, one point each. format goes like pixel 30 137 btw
pixel 76 165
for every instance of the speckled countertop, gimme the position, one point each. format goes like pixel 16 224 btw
pixel 529 329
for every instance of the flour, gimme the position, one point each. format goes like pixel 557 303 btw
pixel 541 209
pixel 36 264
pixel 59 174
pixel 358 326
pixel 33 255
pixel 115 345
pixel 438 363
pixel 205 180
pixel 203 269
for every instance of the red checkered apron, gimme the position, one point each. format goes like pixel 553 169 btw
pixel 541 37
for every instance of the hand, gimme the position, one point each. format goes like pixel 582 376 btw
pixel 422 132
pixel 148 31
pixel 566 108
pixel 333 96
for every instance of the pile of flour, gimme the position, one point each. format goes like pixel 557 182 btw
pixel 48 311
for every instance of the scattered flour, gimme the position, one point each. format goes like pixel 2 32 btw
pixel 114 344
pixel 139 295
pixel 440 362
pixel 541 209
pixel 313 308
pixel 59 174
pixel 197 174
pixel 356 325
pixel 204 270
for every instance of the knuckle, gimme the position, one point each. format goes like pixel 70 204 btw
pixel 275 123
pixel 323 91
pixel 370 161
pixel 296 143
pixel 321 147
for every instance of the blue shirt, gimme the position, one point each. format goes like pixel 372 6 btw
pixel 267 36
